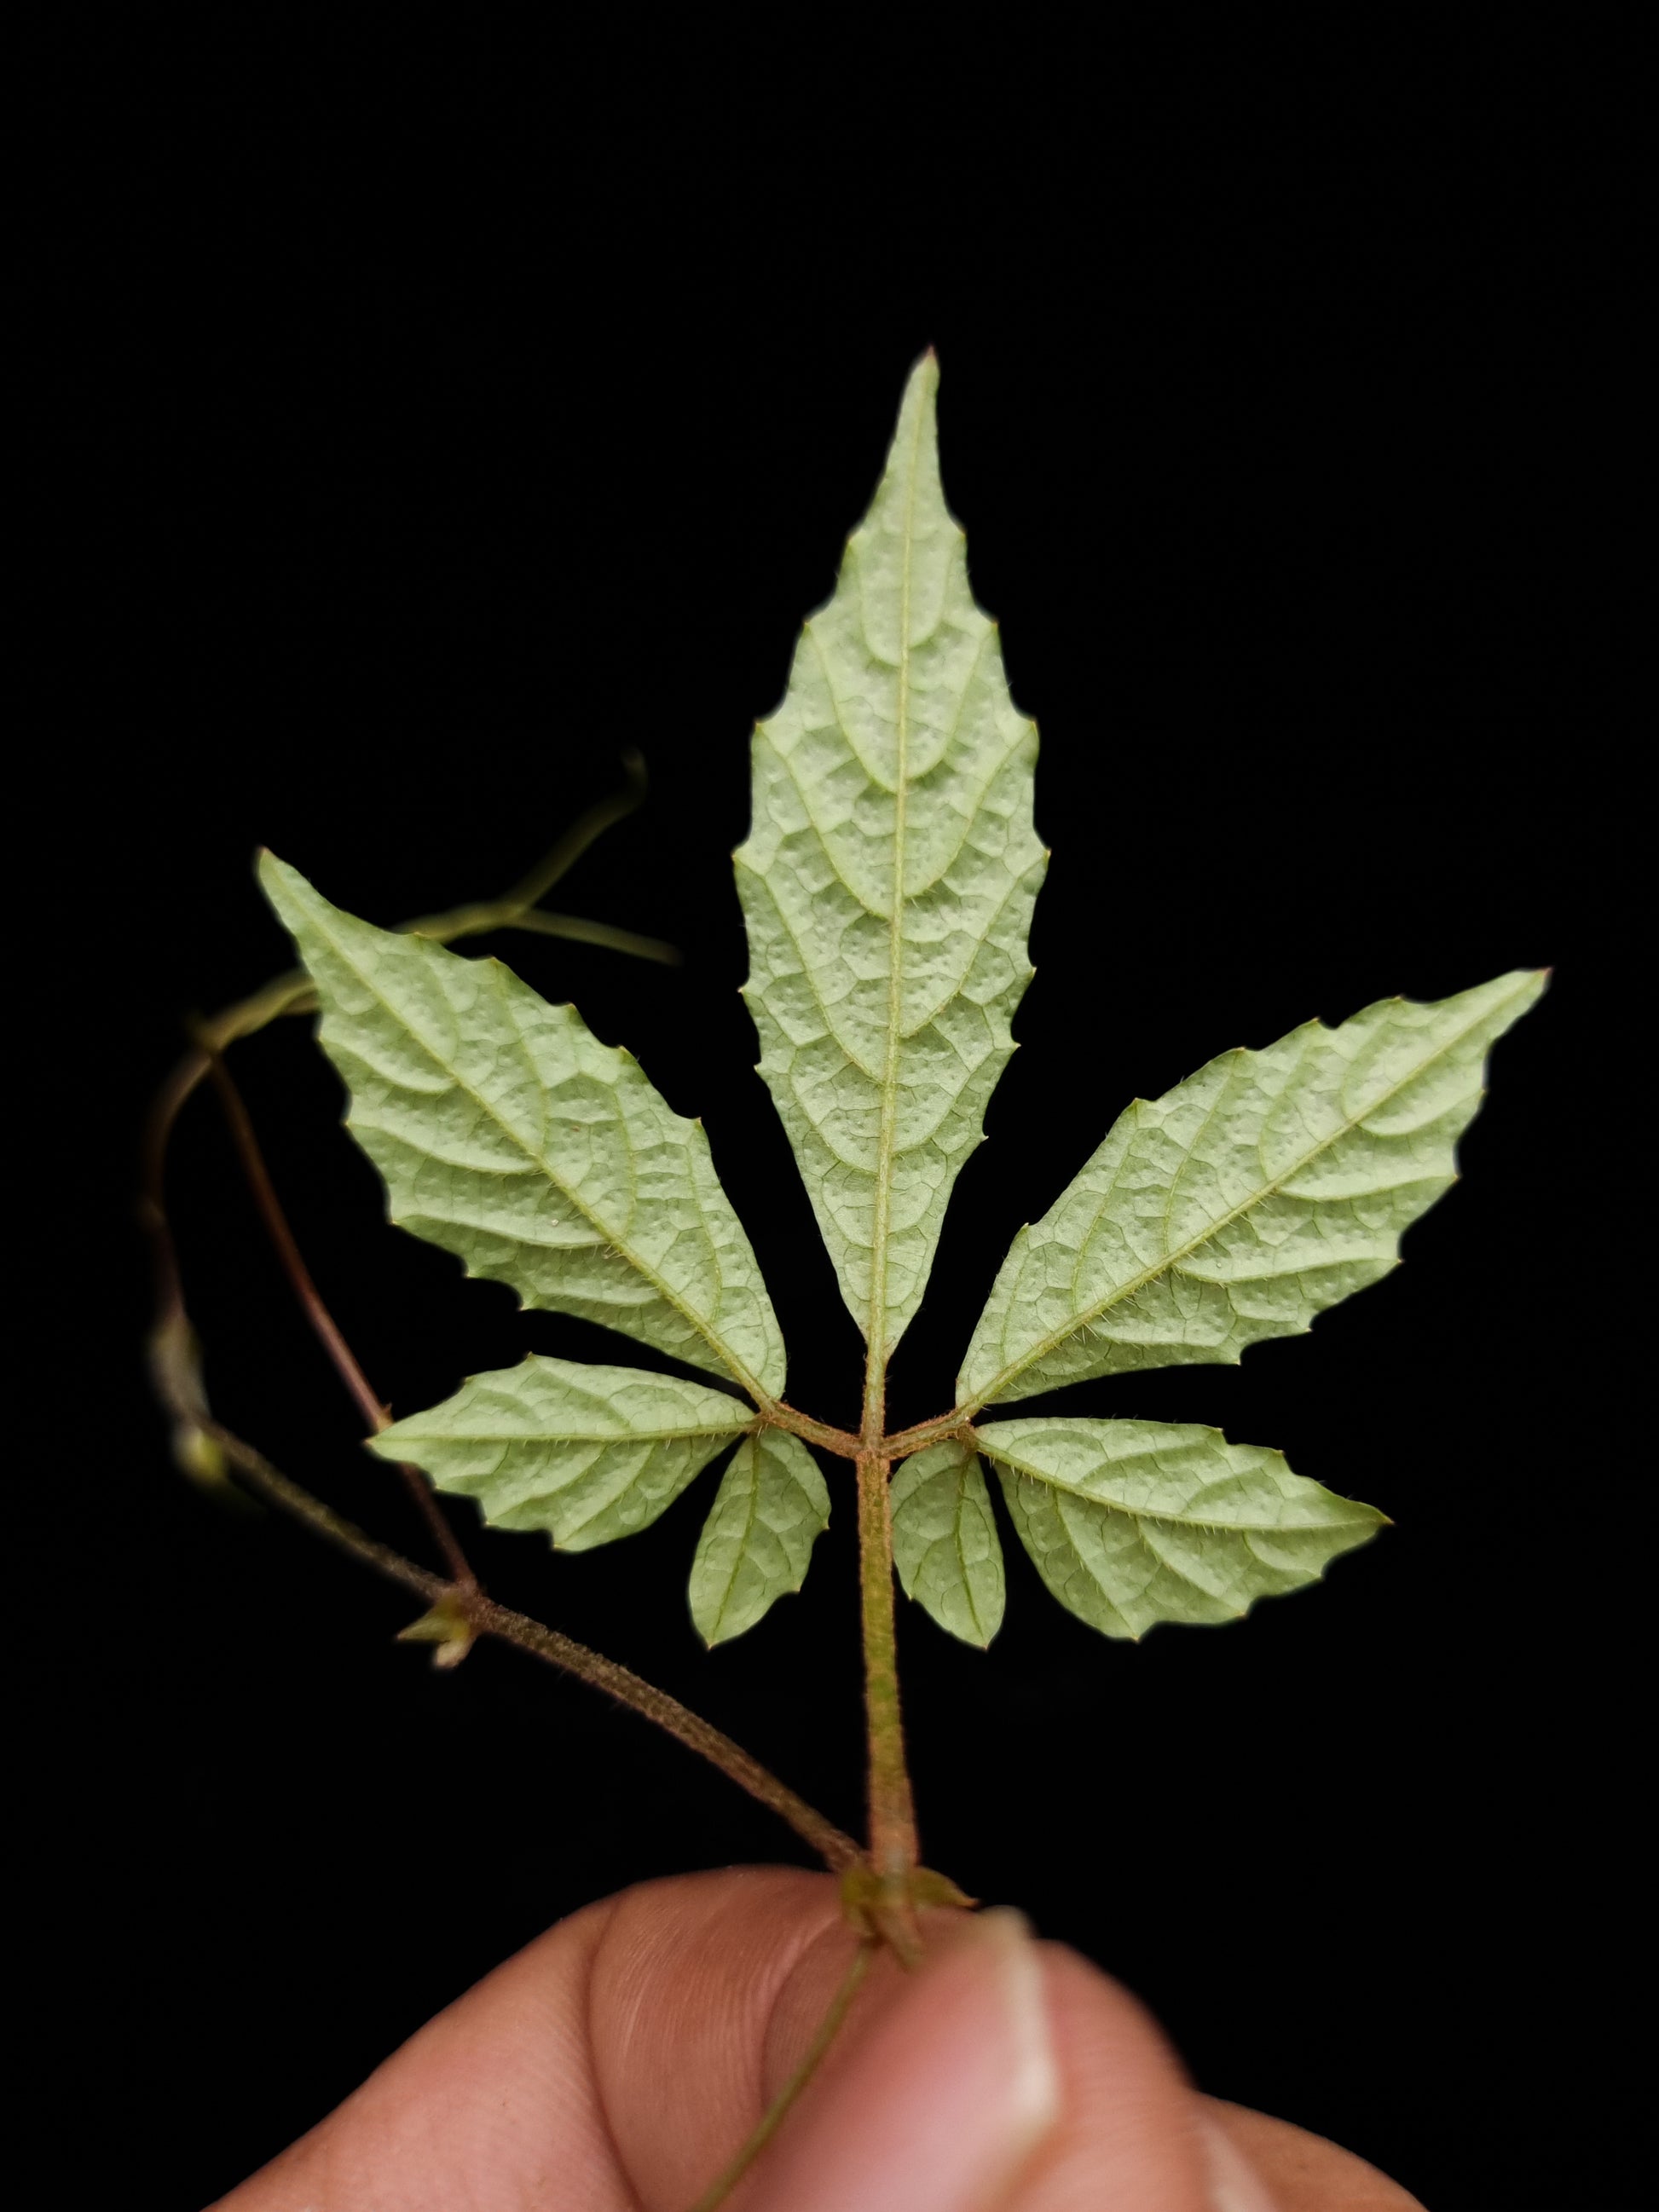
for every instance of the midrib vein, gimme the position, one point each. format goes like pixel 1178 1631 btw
pixel 1158 1514
pixel 876 1360
pixel 741 1549
pixel 586 1436
pixel 1116 1297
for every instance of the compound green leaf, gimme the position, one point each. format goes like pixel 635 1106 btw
pixel 946 1545
pixel 1244 1201
pixel 769 1510
pixel 584 1454
pixel 507 1133
pixel 1133 1523
pixel 887 884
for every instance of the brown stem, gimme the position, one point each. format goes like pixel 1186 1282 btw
pixel 322 1322
pixel 841 1441
pixel 200 1438
pixel 838 1851
pixel 172 1338
pixel 892 1815
pixel 287 1251
pixel 907 1441
pixel 173 1365
pixel 893 1851
pixel 177 1375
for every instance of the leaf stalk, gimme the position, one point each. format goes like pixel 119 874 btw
pixel 206 1447
pixel 957 1422
pixel 893 1849
pixel 842 1442
pixel 323 1323
pixel 267 1482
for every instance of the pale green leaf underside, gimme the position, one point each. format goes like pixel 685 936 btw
pixel 584 1454
pixel 507 1133
pixel 946 1545
pixel 769 1510
pixel 887 884
pixel 1244 1201
pixel 1134 1523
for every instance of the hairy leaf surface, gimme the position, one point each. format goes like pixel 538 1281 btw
pixel 1244 1201
pixel 946 1545
pixel 769 1510
pixel 887 884
pixel 585 1453
pixel 1134 1523
pixel 507 1133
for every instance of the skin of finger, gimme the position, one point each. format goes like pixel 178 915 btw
pixel 689 1981
pixel 616 2063
pixel 678 1975
pixel 674 1981
pixel 876 2130
pixel 1302 2172
pixel 1306 2172
pixel 492 2106
pixel 1125 2099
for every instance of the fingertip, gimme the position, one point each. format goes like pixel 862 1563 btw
pixel 1303 2173
pixel 944 2097
pixel 1234 2183
pixel 1009 1955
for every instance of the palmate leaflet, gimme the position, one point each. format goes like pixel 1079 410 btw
pixel 887 884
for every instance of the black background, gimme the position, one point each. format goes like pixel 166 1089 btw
pixel 433 437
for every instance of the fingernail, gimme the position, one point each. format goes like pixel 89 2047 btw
pixel 1031 2087
pixel 944 2099
pixel 1234 2184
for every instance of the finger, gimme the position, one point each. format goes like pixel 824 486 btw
pixel 1005 2073
pixel 614 2063
pixel 617 2063
pixel 1308 2174
pixel 942 2086
pixel 1128 2129
pixel 491 2104
pixel 972 2090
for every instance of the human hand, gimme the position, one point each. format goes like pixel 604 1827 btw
pixel 618 2062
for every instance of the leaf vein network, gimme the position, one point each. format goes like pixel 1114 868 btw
pixel 1120 1292
pixel 704 1329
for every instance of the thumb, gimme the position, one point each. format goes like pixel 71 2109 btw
pixel 1004 2073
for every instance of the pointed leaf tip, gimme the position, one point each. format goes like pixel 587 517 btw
pixel 888 881
pixel 1132 1524
pixel 509 1135
pixel 771 1508
pixel 1245 1201
pixel 946 1546
pixel 583 1454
